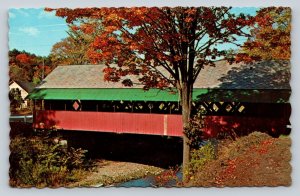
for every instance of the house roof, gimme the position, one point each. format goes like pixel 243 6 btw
pixel 262 75
pixel 27 86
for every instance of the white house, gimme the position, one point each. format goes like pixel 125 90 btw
pixel 24 87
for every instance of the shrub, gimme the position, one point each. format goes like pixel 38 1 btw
pixel 168 178
pixel 15 99
pixel 38 161
pixel 194 131
pixel 199 157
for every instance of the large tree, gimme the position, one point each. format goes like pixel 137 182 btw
pixel 166 47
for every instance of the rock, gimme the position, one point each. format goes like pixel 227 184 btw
pixel 97 185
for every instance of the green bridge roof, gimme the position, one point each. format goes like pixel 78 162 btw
pixel 108 94
pixel 137 94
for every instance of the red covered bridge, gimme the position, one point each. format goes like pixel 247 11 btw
pixel 233 97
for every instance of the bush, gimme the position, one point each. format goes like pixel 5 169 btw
pixel 38 161
pixel 194 131
pixel 168 178
pixel 199 157
pixel 15 99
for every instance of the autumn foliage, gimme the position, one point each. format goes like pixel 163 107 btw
pixel 253 160
pixel 23 58
pixel 162 47
pixel 24 66
pixel 157 43
pixel 270 37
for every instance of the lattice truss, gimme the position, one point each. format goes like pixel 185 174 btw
pixel 219 108
pixel 206 108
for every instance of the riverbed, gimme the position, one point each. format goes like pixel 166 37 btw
pixel 149 181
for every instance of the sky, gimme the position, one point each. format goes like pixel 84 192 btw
pixel 36 31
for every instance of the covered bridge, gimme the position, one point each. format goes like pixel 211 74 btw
pixel 244 97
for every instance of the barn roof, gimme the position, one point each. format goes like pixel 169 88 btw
pixel 263 75
pixel 85 82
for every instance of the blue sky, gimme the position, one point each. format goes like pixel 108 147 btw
pixel 36 31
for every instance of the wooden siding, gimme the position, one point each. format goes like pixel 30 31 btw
pixel 244 125
pixel 152 124
pixel 157 124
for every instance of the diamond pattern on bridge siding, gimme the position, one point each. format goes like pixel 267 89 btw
pixel 228 108
pixel 241 109
pixel 215 107
pixel 76 105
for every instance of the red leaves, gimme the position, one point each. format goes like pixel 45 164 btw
pixel 166 176
pixel 229 171
pixel 47 9
pixel 264 20
pixel 164 38
pixel 110 74
pixel 264 146
pixel 23 58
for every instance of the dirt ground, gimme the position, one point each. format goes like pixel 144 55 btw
pixel 108 173
pixel 253 160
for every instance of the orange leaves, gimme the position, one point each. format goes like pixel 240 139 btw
pixel 190 15
pixel 242 57
pixel 165 37
pixel 23 58
pixel 134 46
pixel 87 28
pixel 113 17
pixel 111 28
pixel 74 28
pixel 188 19
pixel 272 35
pixel 24 66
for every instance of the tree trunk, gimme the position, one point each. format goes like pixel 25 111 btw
pixel 186 101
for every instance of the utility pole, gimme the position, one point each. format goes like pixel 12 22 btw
pixel 43 72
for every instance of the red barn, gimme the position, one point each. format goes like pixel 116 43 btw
pixel 239 97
